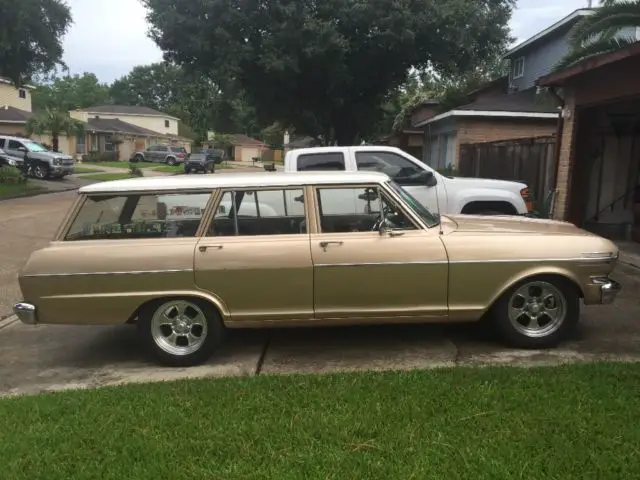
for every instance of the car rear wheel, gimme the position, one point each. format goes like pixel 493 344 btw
pixel 171 161
pixel 137 158
pixel 187 170
pixel 538 312
pixel 181 332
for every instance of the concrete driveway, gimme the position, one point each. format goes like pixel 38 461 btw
pixel 41 358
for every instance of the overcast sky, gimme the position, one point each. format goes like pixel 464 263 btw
pixel 108 37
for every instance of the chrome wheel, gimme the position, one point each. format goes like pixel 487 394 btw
pixel 39 172
pixel 179 327
pixel 537 309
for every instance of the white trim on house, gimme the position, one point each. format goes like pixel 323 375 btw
pixel 560 23
pixel 486 113
pixel 160 115
pixel 9 82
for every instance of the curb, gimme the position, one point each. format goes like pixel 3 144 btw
pixel 37 193
pixel 10 320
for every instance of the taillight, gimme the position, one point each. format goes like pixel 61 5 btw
pixel 525 193
pixel 181 155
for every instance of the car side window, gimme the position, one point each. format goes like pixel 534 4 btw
pixel 401 170
pixel 2 142
pixel 359 209
pixel 259 212
pixel 122 217
pixel 14 145
pixel 321 162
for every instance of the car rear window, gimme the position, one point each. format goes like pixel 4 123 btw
pixel 321 162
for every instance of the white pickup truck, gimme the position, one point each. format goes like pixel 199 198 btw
pixel 448 195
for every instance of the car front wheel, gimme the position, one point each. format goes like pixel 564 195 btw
pixel 538 312
pixel 41 172
pixel 181 332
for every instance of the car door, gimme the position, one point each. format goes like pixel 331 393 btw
pixel 404 172
pixel 16 150
pixel 255 255
pixel 363 274
pixel 151 154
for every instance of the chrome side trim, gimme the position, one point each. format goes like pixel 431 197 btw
pixel 131 272
pixel 26 313
pixel 468 262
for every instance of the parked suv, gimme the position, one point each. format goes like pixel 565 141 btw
pixel 169 154
pixel 204 161
pixel 44 163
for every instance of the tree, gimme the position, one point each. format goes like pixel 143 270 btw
pixel 71 92
pixel 54 122
pixel 31 37
pixel 326 67
pixel 600 32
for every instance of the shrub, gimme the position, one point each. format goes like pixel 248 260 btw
pixel 135 171
pixel 11 176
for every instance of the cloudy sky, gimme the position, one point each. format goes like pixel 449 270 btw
pixel 108 37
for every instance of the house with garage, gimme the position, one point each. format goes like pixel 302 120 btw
pixel 598 170
pixel 121 130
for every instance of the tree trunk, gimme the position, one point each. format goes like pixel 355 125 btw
pixel 55 142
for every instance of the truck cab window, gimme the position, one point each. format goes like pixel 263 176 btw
pixel 321 162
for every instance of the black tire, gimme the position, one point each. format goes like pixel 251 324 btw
pixel 137 158
pixel 41 171
pixel 171 161
pixel 213 168
pixel 215 331
pixel 187 170
pixel 516 336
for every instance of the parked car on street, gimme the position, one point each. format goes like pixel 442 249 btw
pixel 169 154
pixel 5 159
pixel 43 163
pixel 437 192
pixel 204 160
pixel 186 257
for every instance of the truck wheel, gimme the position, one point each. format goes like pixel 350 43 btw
pixel 41 172
pixel 187 170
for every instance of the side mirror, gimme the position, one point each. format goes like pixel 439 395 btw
pixel 22 149
pixel 430 179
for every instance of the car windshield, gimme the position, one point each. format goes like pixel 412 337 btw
pixel 34 147
pixel 431 219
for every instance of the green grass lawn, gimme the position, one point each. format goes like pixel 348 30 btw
pixel 121 164
pixel 569 422
pixel 13 190
pixel 87 170
pixel 104 177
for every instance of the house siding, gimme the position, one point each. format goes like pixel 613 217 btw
pixel 9 95
pixel 156 124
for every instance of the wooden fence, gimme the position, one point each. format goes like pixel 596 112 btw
pixel 529 160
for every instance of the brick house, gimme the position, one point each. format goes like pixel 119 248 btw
pixel 598 179
pixel 508 108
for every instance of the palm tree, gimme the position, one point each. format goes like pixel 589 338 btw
pixel 600 32
pixel 56 123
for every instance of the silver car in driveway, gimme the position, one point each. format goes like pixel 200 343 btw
pixel 43 163
pixel 169 154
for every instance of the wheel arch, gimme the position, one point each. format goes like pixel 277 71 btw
pixel 534 273
pixel 213 300
pixel 477 206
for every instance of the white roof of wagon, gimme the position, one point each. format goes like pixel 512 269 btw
pixel 232 180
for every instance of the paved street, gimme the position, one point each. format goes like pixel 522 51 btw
pixel 34 359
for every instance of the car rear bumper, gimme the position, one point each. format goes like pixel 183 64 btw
pixel 26 313
pixel 194 166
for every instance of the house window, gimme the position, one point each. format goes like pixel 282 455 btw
pixel 166 123
pixel 518 67
pixel 81 144
pixel 108 144
pixel 22 93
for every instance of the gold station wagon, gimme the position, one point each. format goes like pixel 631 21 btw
pixel 186 257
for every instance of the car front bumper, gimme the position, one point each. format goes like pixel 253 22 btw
pixel 26 313
pixel 609 289
pixel 62 169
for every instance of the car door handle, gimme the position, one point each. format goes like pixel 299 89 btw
pixel 324 245
pixel 204 248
